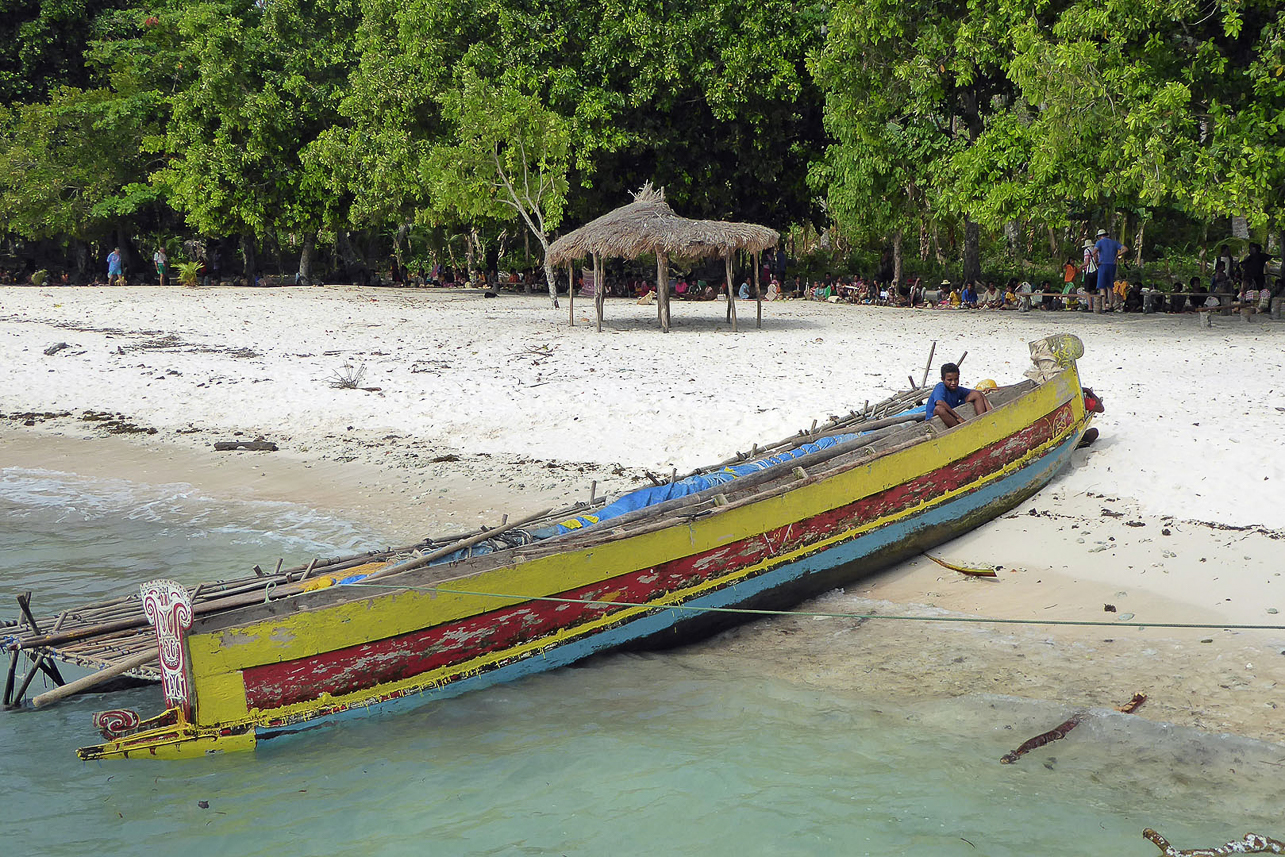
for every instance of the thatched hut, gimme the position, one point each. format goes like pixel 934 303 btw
pixel 649 226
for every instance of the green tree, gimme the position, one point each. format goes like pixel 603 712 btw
pixel 908 86
pixel 258 84
pixel 508 160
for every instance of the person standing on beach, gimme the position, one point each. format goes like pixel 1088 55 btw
pixel 1108 251
pixel 1254 267
pixel 1090 268
pixel 948 395
pixel 162 264
pixel 114 267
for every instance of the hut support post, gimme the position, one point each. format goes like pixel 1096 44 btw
pixel 731 296
pixel 758 295
pixel 662 289
pixel 599 292
pixel 571 293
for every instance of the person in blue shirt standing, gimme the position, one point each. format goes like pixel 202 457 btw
pixel 948 395
pixel 1108 250
pixel 114 268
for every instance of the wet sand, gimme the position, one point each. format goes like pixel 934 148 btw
pixel 1056 555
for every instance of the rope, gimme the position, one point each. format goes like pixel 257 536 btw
pixel 748 611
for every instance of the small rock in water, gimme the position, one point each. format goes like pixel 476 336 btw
pixel 1272 610
pixel 203 804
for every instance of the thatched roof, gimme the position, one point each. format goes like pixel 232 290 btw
pixel 648 225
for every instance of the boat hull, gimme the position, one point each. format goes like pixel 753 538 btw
pixel 276 674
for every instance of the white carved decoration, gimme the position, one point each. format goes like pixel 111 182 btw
pixel 169 608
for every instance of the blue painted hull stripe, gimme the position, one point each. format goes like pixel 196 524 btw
pixel 1031 476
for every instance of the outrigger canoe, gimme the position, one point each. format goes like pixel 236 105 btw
pixel 395 633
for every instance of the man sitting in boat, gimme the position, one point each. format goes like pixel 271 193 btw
pixel 948 395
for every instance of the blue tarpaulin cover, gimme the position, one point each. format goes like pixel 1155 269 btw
pixel 652 496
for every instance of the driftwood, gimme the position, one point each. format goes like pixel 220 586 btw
pixel 1061 730
pixel 251 445
pixel 1133 704
pixel 963 569
pixel 1040 740
pixel 1253 843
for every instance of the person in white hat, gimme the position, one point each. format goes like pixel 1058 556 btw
pixel 1090 267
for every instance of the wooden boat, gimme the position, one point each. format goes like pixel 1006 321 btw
pixel 393 634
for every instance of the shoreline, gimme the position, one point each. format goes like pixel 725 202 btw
pixel 1212 679
pixel 474 409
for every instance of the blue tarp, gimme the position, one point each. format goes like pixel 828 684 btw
pixel 645 497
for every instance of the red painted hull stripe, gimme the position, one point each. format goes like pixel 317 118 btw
pixel 368 664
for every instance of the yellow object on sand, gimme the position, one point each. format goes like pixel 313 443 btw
pixel 963 569
pixel 987 384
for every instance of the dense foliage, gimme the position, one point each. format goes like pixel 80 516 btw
pixel 346 133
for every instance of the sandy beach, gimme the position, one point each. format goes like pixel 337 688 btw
pixel 468 409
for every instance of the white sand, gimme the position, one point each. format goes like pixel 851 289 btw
pixel 536 410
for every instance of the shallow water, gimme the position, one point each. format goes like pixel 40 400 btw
pixel 673 753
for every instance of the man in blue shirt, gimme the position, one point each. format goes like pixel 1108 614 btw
pixel 114 268
pixel 948 395
pixel 1108 250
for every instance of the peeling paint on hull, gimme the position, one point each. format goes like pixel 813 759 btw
pixel 289 666
pixel 394 659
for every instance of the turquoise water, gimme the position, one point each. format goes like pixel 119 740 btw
pixel 676 753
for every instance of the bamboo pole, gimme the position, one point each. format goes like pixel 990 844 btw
pixel 662 289
pixel 758 296
pixel 571 293
pixel 731 298
pixel 38 664
pixel 90 681
pixel 51 670
pixel 429 557
pixel 13 670
pixel 599 296
pixel 929 365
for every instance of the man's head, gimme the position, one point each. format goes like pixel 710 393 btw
pixel 950 375
pixel 1255 248
pixel 1102 233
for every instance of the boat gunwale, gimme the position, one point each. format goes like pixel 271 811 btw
pixel 650 519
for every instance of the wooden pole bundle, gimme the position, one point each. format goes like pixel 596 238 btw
pixel 91 681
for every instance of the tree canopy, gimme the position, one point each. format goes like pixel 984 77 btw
pixel 369 125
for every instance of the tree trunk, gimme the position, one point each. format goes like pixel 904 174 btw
pixel 400 245
pixel 352 265
pixel 1240 228
pixel 475 250
pixel 1013 239
pixel 924 245
pixel 249 264
pixel 896 260
pixel 549 275
pixel 972 250
pixel 127 257
pixel 306 254
pixel 81 251
pixel 1204 250
pixel 1137 242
